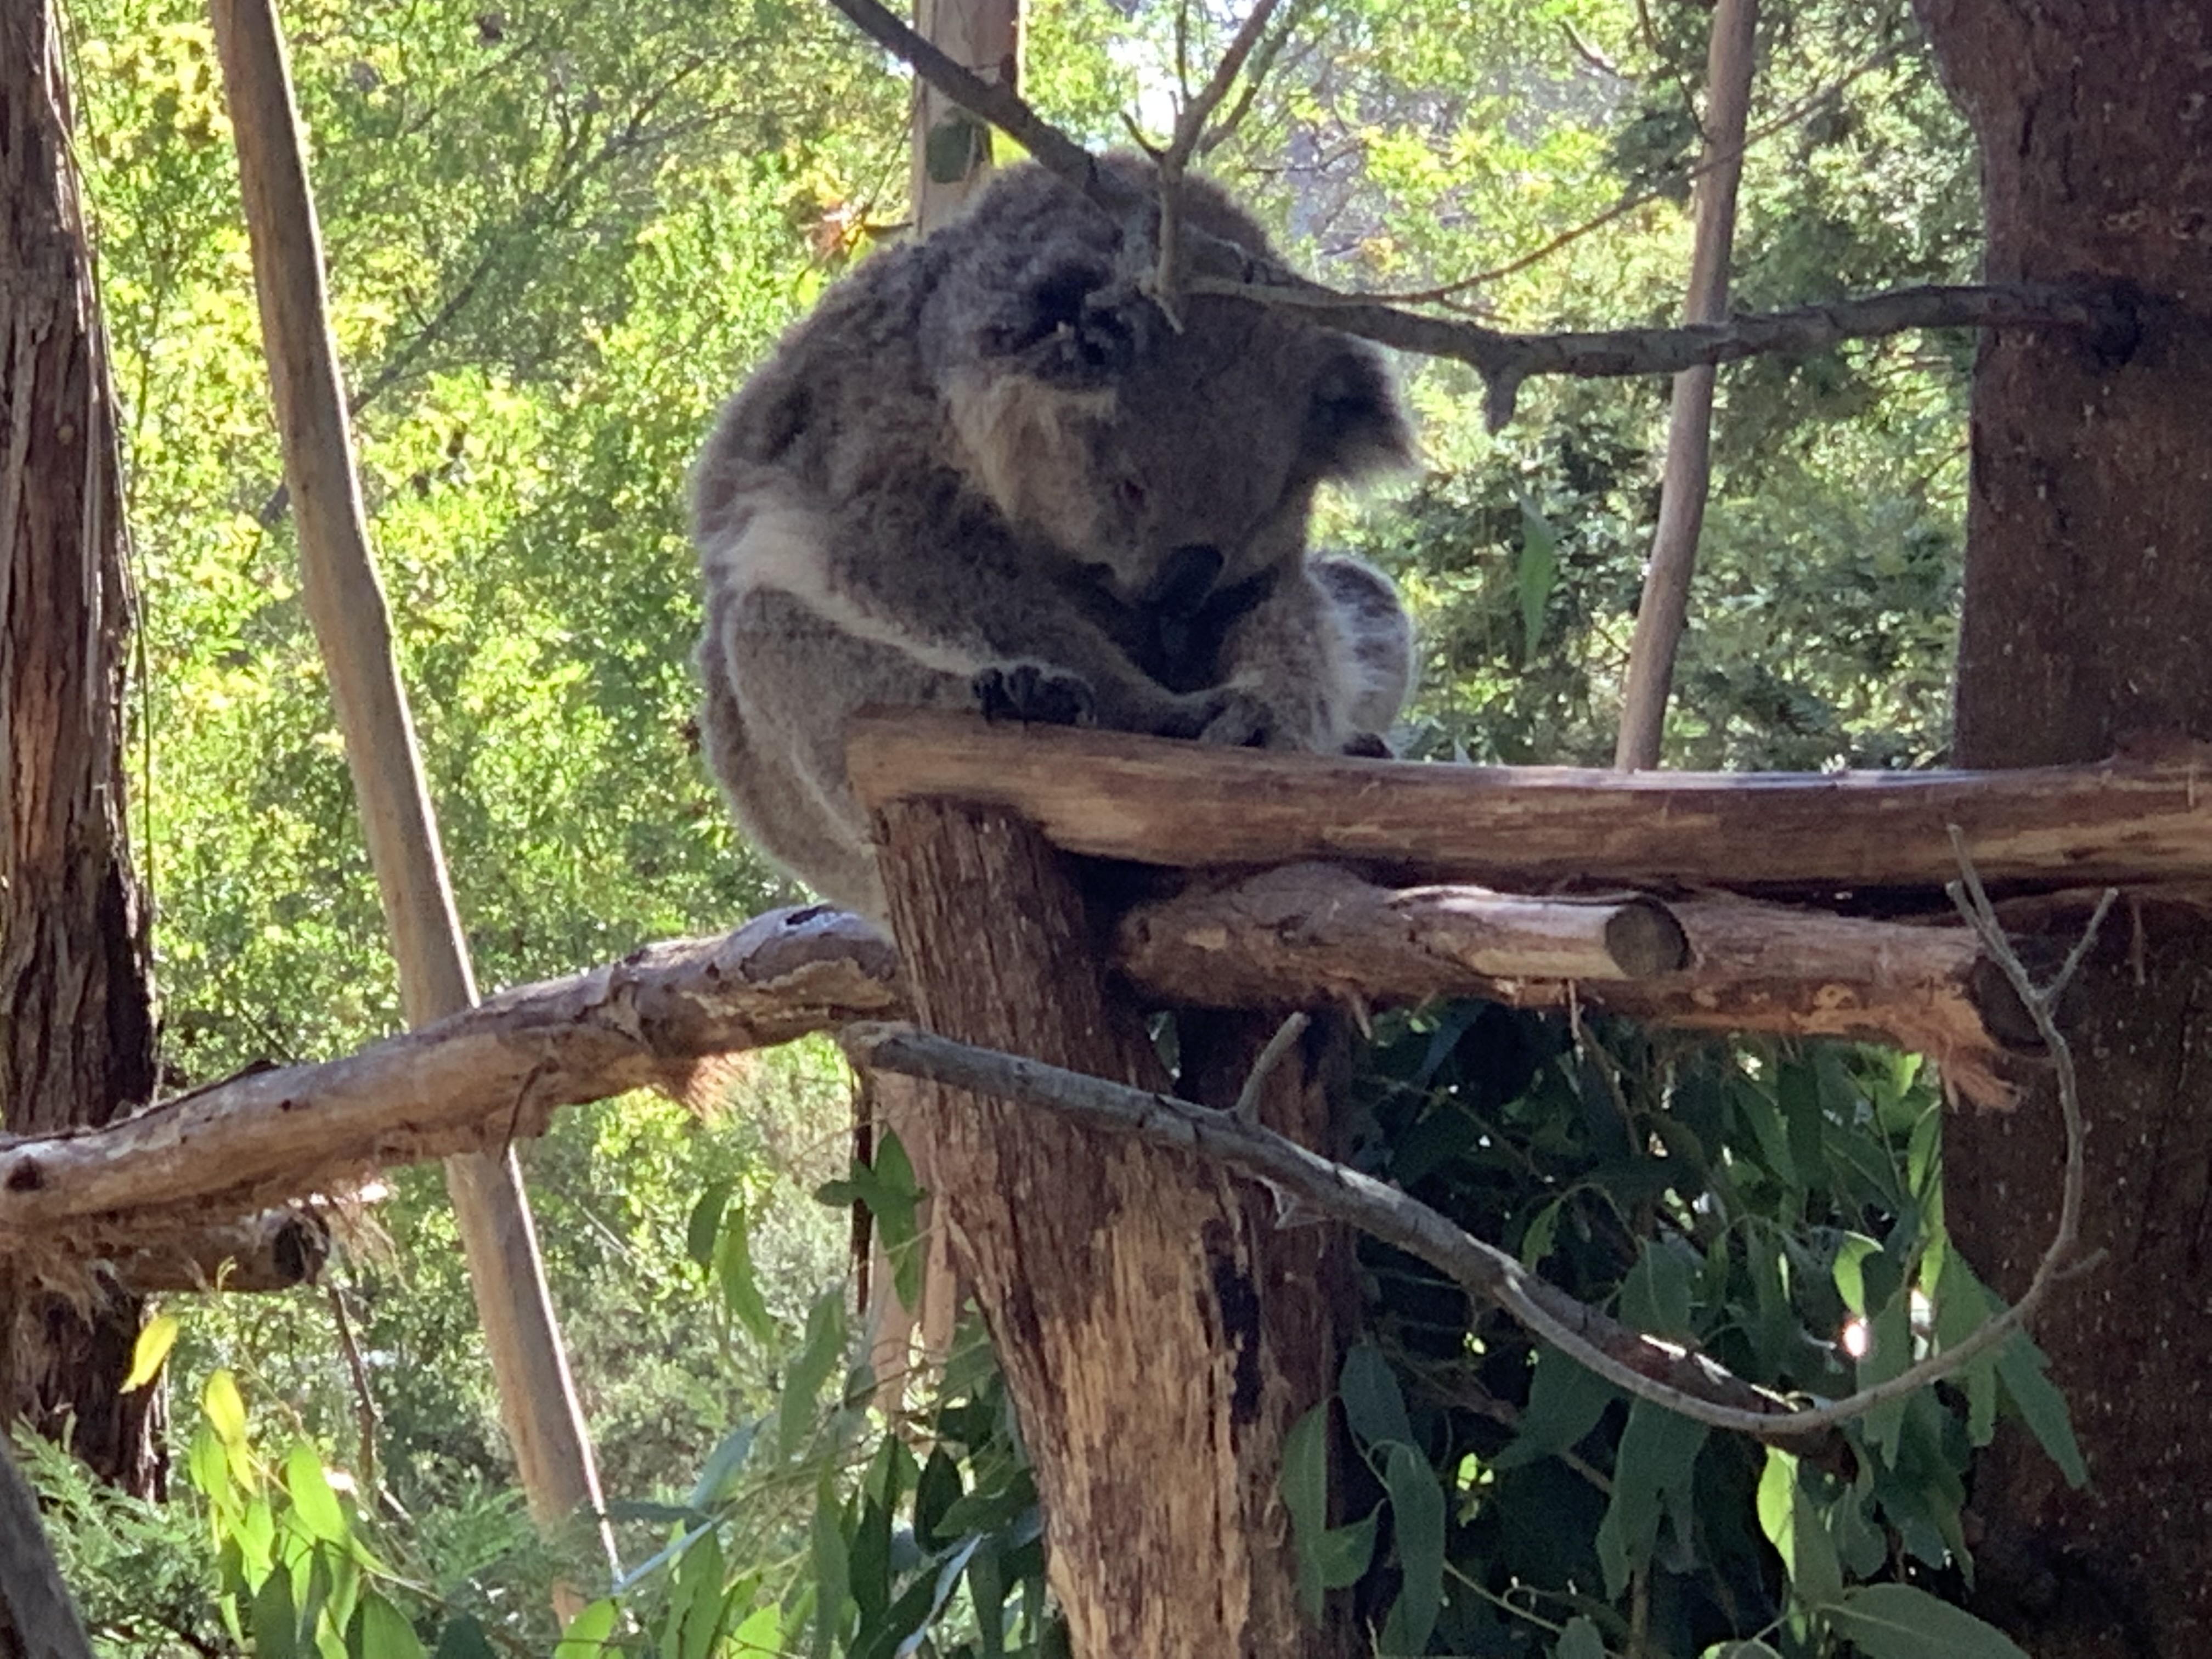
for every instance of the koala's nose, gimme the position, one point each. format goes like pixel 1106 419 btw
pixel 1184 580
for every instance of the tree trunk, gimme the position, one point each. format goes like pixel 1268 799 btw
pixel 1159 1331
pixel 2089 604
pixel 76 1031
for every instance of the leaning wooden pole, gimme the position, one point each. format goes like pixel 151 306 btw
pixel 1665 605
pixel 345 603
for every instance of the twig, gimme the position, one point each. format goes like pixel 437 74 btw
pixel 1247 1107
pixel 1189 128
pixel 2041 1002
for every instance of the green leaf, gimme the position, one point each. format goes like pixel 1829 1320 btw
pixel 1417 1521
pixel 276 1624
pixel 1897 1621
pixel 156 1338
pixel 762 1631
pixel 704 1225
pixel 1533 575
pixel 1793 1526
pixel 1579 1640
pixel 832 1568
pixel 1542 1229
pixel 590 1633
pixel 1797 1091
pixel 313 1501
pixel 381 1631
pixel 1305 1484
pixel 1346 1552
pixel 802 1383
pixel 1565 1400
pixel 695 1601
pixel 2041 1407
pixel 1656 1297
pixel 1657 1455
pixel 1850 1270
pixel 733 1270
pixel 1373 1404
pixel 226 1411
pixel 1748 1648
pixel 868 1564
pixel 723 1464
pixel 463 1637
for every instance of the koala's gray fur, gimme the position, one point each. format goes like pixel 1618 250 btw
pixel 986 467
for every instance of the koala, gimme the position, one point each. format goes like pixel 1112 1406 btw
pixel 989 471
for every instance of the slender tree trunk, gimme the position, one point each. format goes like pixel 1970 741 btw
pixel 76 1029
pixel 2088 604
pixel 1666 604
pixel 345 603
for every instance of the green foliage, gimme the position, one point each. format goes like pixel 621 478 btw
pixel 1779 1210
pixel 267 1549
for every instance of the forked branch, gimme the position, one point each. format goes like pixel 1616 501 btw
pixel 1213 265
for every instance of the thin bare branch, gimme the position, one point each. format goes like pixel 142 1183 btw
pixel 1192 118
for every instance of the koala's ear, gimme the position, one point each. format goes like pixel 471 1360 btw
pixel 1354 425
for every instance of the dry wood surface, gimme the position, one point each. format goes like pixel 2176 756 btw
pixel 2128 821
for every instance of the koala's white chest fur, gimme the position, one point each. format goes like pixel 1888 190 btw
pixel 985 473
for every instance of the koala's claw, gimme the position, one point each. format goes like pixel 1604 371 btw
pixel 1368 745
pixel 1036 695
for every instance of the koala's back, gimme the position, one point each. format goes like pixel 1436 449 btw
pixel 988 451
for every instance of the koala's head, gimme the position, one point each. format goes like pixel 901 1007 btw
pixel 1161 461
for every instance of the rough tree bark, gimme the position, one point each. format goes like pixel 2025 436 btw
pixel 1159 1331
pixel 76 1032
pixel 2089 602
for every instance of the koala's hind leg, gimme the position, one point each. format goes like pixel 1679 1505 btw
pixel 1323 662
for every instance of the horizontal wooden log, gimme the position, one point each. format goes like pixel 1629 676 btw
pixel 2127 822
pixel 477 1078
pixel 1311 935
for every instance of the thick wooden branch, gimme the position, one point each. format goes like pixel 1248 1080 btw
pixel 1829 834
pixel 1312 935
pixel 1216 266
pixel 478 1078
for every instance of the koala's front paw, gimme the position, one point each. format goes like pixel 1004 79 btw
pixel 1368 745
pixel 1036 695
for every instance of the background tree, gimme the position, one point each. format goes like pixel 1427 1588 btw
pixel 2086 598
pixel 77 1026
